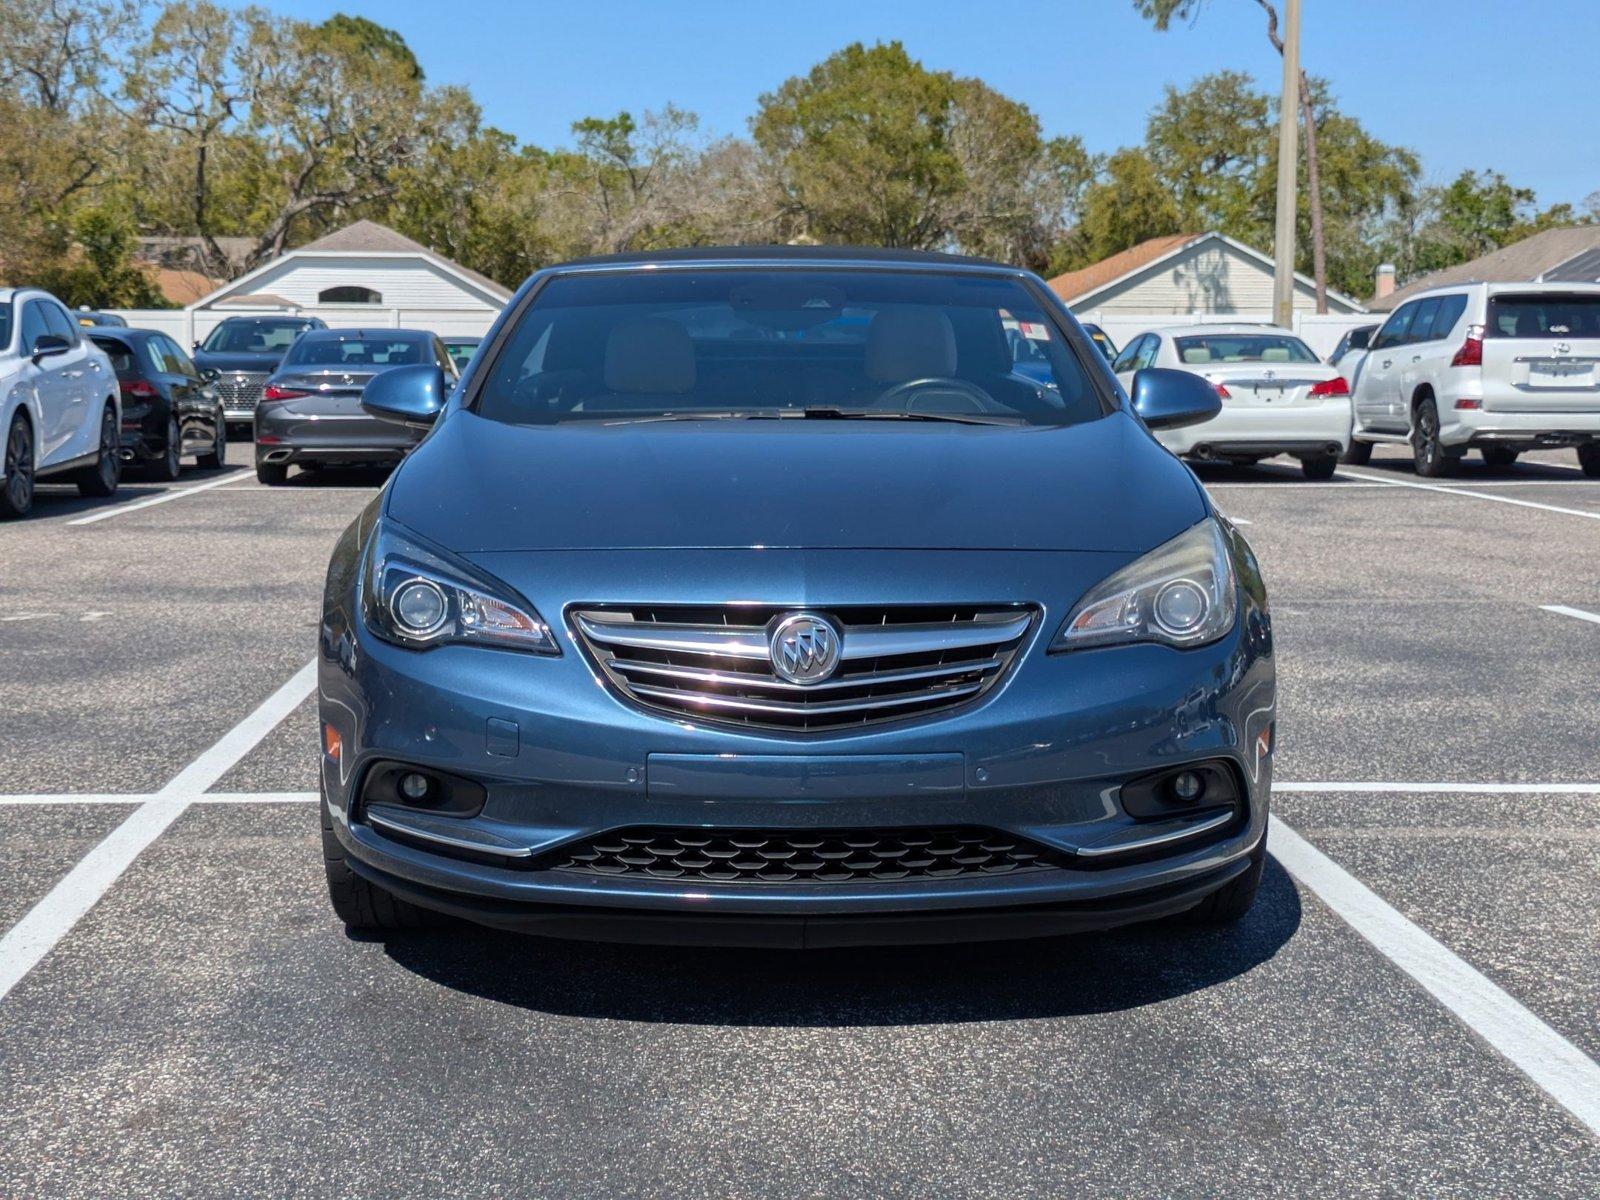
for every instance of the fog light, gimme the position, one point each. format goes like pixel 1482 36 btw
pixel 415 787
pixel 1188 787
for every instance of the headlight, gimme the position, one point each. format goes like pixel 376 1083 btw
pixel 418 595
pixel 1182 593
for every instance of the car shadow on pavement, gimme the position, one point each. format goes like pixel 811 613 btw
pixel 1108 971
pixel 337 477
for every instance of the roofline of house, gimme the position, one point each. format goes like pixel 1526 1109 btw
pixel 1249 251
pixel 444 264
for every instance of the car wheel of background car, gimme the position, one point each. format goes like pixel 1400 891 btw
pixel 1320 466
pixel 1499 456
pixel 16 498
pixel 1234 898
pixel 218 455
pixel 362 905
pixel 1589 458
pixel 272 474
pixel 1426 450
pixel 1357 454
pixel 101 479
pixel 170 465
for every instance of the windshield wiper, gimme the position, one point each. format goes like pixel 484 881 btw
pixel 826 413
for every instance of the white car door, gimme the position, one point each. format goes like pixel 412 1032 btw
pixel 1415 365
pixel 51 388
pixel 1376 387
pixel 84 383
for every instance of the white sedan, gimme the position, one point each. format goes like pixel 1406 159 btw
pixel 1277 396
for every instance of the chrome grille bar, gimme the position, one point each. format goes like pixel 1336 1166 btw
pixel 713 662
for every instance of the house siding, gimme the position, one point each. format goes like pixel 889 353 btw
pixel 402 281
pixel 1206 278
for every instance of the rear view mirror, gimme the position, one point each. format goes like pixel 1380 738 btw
pixel 47 344
pixel 413 395
pixel 1168 399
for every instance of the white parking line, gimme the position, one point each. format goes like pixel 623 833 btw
pixel 1565 1073
pixel 50 920
pixel 1476 495
pixel 150 501
pixel 1564 611
pixel 1465 789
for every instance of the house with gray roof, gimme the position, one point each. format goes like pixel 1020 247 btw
pixel 1570 254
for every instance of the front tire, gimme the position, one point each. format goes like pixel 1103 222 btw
pixel 101 479
pixel 1589 459
pixel 1320 467
pixel 1233 899
pixel 365 907
pixel 1357 454
pixel 272 474
pixel 16 497
pixel 1427 451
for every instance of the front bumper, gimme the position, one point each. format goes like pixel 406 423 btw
pixel 1041 757
pixel 1266 429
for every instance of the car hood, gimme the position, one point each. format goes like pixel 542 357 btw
pixel 235 361
pixel 479 486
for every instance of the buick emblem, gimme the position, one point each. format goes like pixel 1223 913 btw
pixel 804 648
pixel 1563 348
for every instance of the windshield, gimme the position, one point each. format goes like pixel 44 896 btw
pixel 355 350
pixel 693 344
pixel 1225 348
pixel 268 335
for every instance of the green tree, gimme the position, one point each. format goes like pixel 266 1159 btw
pixel 100 271
pixel 1128 205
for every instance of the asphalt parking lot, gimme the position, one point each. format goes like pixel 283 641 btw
pixel 1413 1007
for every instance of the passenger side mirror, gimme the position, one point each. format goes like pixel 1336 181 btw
pixel 1168 399
pixel 211 374
pixel 47 344
pixel 413 395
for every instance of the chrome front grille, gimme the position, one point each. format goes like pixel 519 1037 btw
pixel 715 663
pixel 803 856
pixel 240 391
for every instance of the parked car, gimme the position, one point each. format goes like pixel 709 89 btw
pixel 88 317
pixel 169 410
pixel 243 351
pixel 461 350
pixel 752 596
pixel 1101 340
pixel 58 403
pixel 1499 367
pixel 1350 346
pixel 310 411
pixel 1277 396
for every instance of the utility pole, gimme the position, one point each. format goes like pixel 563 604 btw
pixel 1288 162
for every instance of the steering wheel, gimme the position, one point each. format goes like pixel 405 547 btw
pixel 895 397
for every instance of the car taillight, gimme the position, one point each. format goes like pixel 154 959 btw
pixel 273 392
pixel 139 389
pixel 1471 352
pixel 1331 387
pixel 1223 391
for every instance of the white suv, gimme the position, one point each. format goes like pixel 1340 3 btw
pixel 1503 367
pixel 60 409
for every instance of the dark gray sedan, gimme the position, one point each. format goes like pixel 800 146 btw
pixel 310 412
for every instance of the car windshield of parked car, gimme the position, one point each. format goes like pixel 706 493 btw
pixel 338 350
pixel 743 343
pixel 1224 348
pixel 1527 315
pixel 267 335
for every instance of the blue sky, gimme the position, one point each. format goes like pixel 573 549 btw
pixel 1508 84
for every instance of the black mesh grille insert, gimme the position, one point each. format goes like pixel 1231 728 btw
pixel 802 856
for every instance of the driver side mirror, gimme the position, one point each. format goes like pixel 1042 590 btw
pixel 413 395
pixel 47 344
pixel 1169 399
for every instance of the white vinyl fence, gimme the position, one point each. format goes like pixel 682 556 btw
pixel 1321 333
pixel 190 326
